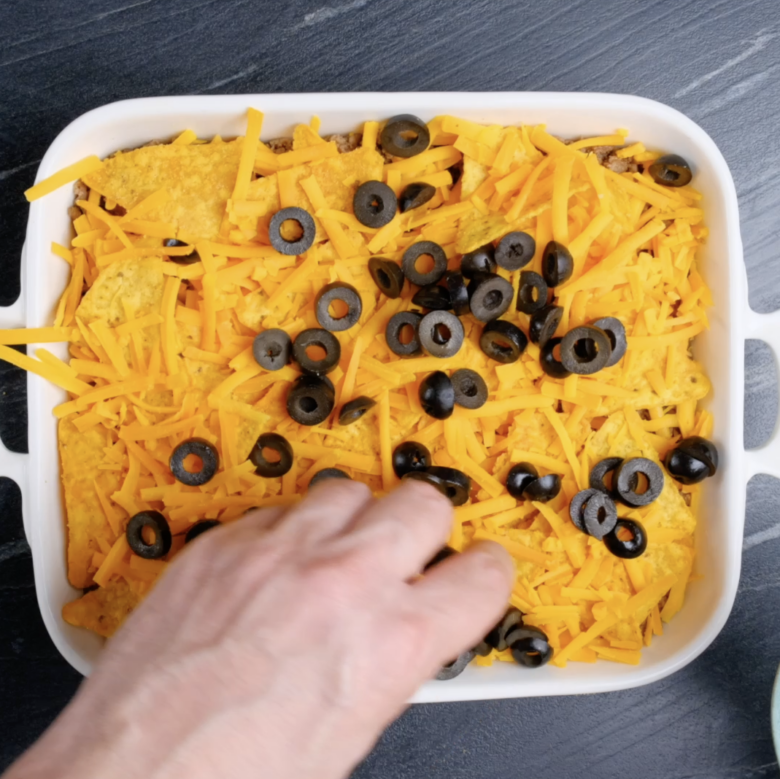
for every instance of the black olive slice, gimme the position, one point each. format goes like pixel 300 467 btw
pixel 456 483
pixel 305 222
pixel 205 452
pixel 459 294
pixel 519 478
pixel 599 472
pixel 585 350
pixel 437 395
pixel 410 456
pixel 415 195
pixel 628 481
pixel 490 295
pixel 544 323
pixel 433 297
pixel 428 478
pixel 187 259
pixel 199 528
pixel 158 525
pixel 274 467
pixel 328 473
pixel 482 260
pixel 355 409
pixel 349 296
pixel 616 333
pixel 511 620
pixel 375 204
pixel 515 250
pixel 316 337
pixel 417 250
pixel 532 292
pixel 394 329
pixel 272 349
pixel 692 460
pixel 671 170
pixel 502 341
pixel 543 489
pixel 405 136
pixel 530 649
pixel 552 367
pixel 628 548
pixel 577 507
pixel 310 399
pixel 387 275
pixel 470 388
pixel 557 264
pixel 440 557
pixel 456 667
pixel 599 515
pixel 441 333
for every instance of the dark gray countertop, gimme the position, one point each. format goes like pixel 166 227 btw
pixel 718 62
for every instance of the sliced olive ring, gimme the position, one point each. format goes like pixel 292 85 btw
pixel 433 297
pixel 529 648
pixel 544 323
pixel 457 485
pixel 557 264
pixel 692 460
pixel 186 259
pixel 393 331
pixel 532 293
pixel 395 134
pixel 628 481
pixel 440 557
pixel 328 342
pixel 374 204
pixel 490 295
pixel 441 333
pixel 415 195
pixel 600 471
pixel 543 489
pixel 519 477
pixel 199 528
pixel 456 667
pixel 671 170
pixel 355 409
pixel 552 367
pixel 272 349
pixel 271 468
pixel 205 452
pixel 459 294
pixel 387 275
pixel 428 478
pixel 310 399
pixel 158 524
pixel 502 341
pixel 515 250
pixel 437 395
pixel 599 515
pixel 470 388
pixel 348 295
pixel 511 620
pixel 306 223
pixel 628 548
pixel 577 507
pixel 417 250
pixel 411 456
pixel 616 333
pixel 482 260
pixel 328 473
pixel 585 350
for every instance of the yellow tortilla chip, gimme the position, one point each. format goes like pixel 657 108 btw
pixel 102 610
pixel 474 173
pixel 200 179
pixel 476 230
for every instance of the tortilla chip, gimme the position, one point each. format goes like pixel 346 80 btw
pixel 102 610
pixel 304 136
pixel 200 179
pixel 80 454
pixel 476 230
pixel 474 173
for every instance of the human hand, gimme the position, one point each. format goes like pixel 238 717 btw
pixel 281 645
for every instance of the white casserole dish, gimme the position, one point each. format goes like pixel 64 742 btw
pixel 721 349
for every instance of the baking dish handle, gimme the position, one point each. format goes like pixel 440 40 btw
pixel 765 459
pixel 12 464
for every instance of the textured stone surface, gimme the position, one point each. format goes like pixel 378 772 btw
pixel 718 62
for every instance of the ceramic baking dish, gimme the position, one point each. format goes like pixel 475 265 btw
pixel 719 541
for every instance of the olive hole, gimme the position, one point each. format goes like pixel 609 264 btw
pixel 671 174
pixel 441 334
pixel 273 350
pixel 624 534
pixel 585 349
pixel 316 352
pixel 529 294
pixel 291 230
pixel 148 536
pixel 192 464
pixel 612 341
pixel 406 334
pixel 338 309
pixel 424 264
pixel 271 455
pixel 493 299
pixel 502 346
pixel 451 492
pixel 307 404
pixel 376 206
pixel 407 138
pixel 384 279
pixel 469 388
pixel 640 484
pixel 601 515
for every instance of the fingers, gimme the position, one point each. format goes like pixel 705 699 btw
pixel 406 528
pixel 465 596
